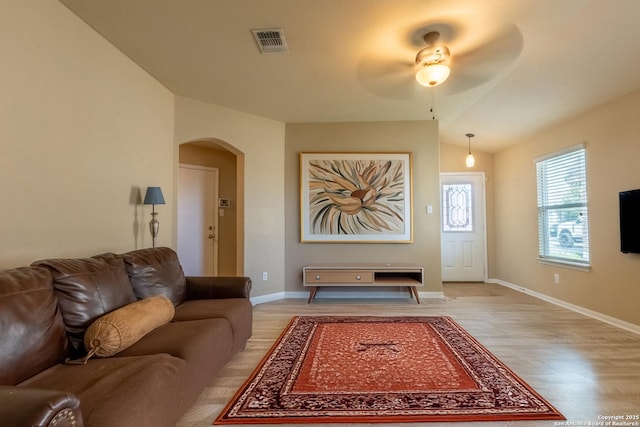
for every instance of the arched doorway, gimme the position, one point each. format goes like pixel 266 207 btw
pixel 210 154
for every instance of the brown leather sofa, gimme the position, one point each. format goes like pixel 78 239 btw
pixel 46 308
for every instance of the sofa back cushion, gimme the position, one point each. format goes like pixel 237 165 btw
pixel 87 288
pixel 156 271
pixel 32 335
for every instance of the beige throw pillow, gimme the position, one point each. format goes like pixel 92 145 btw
pixel 121 328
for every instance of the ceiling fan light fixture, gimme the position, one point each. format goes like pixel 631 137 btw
pixel 432 62
pixel 430 75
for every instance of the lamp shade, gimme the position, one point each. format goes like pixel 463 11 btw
pixel 432 74
pixel 153 196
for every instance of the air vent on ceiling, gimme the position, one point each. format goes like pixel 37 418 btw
pixel 271 40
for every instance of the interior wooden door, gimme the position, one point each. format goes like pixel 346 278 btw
pixel 198 220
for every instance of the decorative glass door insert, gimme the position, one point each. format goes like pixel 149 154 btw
pixel 457 207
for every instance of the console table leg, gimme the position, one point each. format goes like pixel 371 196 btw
pixel 414 292
pixel 312 294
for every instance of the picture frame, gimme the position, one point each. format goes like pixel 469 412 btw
pixel 356 197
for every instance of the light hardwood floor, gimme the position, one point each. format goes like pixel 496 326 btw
pixel 585 368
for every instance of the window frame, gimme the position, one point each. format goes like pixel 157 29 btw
pixel 544 207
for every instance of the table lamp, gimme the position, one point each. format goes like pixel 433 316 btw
pixel 154 197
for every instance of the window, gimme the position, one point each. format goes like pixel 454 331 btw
pixel 563 220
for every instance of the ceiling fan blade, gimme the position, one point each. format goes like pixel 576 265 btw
pixel 388 78
pixel 483 63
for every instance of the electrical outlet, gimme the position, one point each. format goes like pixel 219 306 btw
pixel 265 276
pixel 556 278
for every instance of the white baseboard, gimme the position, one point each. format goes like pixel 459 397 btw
pixel 267 298
pixel 585 311
pixel 297 294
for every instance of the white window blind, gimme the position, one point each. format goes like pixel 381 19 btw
pixel 563 221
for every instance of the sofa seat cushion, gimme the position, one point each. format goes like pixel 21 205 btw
pixel 156 271
pixel 237 311
pixel 122 391
pixel 88 288
pixel 32 335
pixel 204 344
pixel 121 328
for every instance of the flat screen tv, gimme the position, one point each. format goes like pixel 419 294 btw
pixel 630 221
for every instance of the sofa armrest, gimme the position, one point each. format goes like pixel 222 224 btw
pixel 218 287
pixel 23 406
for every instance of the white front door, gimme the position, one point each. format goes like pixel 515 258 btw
pixel 463 227
pixel 198 220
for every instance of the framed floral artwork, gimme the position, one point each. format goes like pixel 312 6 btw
pixel 356 197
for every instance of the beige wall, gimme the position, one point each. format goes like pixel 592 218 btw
pixel 452 159
pixel 261 142
pixel 208 154
pixel 420 138
pixel 612 286
pixel 82 130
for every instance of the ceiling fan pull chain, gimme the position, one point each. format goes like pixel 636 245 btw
pixel 433 105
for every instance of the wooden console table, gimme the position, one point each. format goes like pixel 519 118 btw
pixel 317 275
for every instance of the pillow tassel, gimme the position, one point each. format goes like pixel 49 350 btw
pixel 82 360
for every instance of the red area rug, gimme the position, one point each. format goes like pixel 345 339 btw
pixel 381 369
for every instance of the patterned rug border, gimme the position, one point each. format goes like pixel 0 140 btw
pixel 233 413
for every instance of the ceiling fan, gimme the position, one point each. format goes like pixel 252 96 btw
pixel 454 55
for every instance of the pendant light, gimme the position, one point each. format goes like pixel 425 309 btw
pixel 471 161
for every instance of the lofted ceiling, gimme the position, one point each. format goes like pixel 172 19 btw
pixel 518 66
